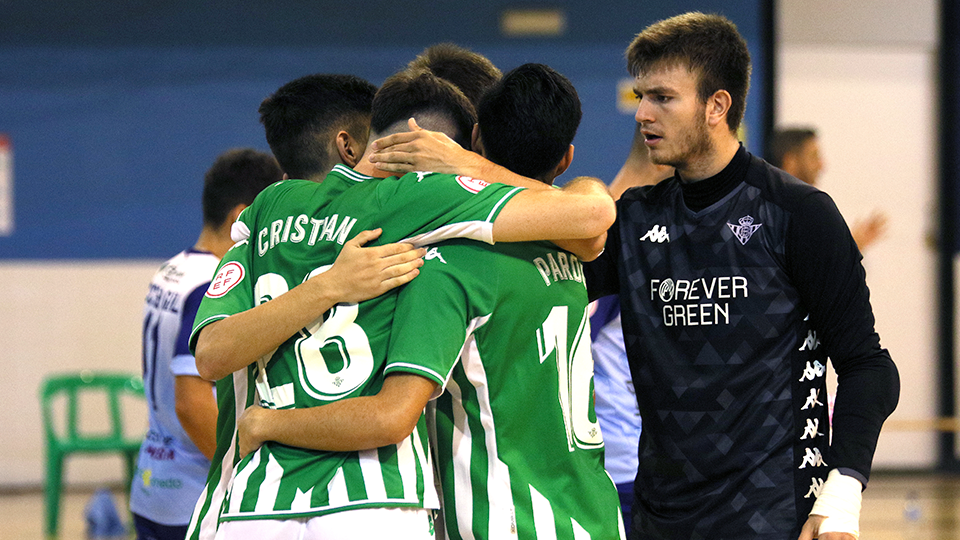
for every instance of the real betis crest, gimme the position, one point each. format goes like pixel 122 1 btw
pixel 745 229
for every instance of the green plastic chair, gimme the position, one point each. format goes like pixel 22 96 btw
pixel 69 387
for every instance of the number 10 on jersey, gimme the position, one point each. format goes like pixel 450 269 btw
pixel 575 375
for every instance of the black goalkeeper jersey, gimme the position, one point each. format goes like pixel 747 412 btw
pixel 734 291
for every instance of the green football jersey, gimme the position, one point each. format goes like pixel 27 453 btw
pixel 293 231
pixel 518 447
pixel 234 394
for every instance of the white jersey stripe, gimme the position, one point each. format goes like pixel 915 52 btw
pixel 500 203
pixel 350 173
pixel 407 462
pixel 543 516
pixel 337 490
pixel 301 500
pixel 430 499
pixel 270 486
pixel 462 448
pixel 211 520
pixel 409 367
pixel 241 480
pixel 481 231
pixel 500 496
pixel 579 533
pixel 372 477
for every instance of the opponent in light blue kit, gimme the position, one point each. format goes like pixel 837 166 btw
pixel 174 457
pixel 295 231
pixel 616 399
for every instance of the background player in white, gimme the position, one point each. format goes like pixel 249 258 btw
pixel 180 441
pixel 516 470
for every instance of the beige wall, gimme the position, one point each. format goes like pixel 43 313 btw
pixel 864 75
pixel 62 317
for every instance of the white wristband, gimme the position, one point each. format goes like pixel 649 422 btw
pixel 839 502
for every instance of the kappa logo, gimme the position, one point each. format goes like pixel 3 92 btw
pixel 812 457
pixel 227 278
pixel 420 175
pixel 813 400
pixel 473 185
pixel 812 430
pixel 657 234
pixel 811 343
pixel 745 229
pixel 434 253
pixel 813 371
pixel 816 484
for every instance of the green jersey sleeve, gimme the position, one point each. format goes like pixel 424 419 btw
pixel 442 206
pixel 438 310
pixel 230 290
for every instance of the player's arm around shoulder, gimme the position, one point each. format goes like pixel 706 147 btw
pixel 576 217
pixel 357 423
pixel 359 273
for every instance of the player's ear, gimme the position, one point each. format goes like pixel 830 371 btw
pixel 476 143
pixel 349 149
pixel 235 212
pixel 565 162
pixel 718 105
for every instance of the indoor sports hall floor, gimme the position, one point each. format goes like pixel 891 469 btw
pixel 896 507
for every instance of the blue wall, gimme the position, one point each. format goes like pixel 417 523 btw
pixel 114 115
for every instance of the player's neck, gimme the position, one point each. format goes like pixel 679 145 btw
pixel 213 240
pixel 711 163
pixel 365 166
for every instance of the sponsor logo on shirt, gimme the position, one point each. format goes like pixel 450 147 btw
pixel 657 234
pixel 434 253
pixel 163 483
pixel 473 185
pixel 745 229
pixel 227 278
pixel 698 302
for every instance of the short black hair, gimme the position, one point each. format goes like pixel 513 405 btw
pixel 434 102
pixel 528 120
pixel 471 72
pixel 236 177
pixel 302 118
pixel 708 45
pixel 785 141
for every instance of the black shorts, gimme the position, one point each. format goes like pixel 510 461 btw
pixel 149 530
